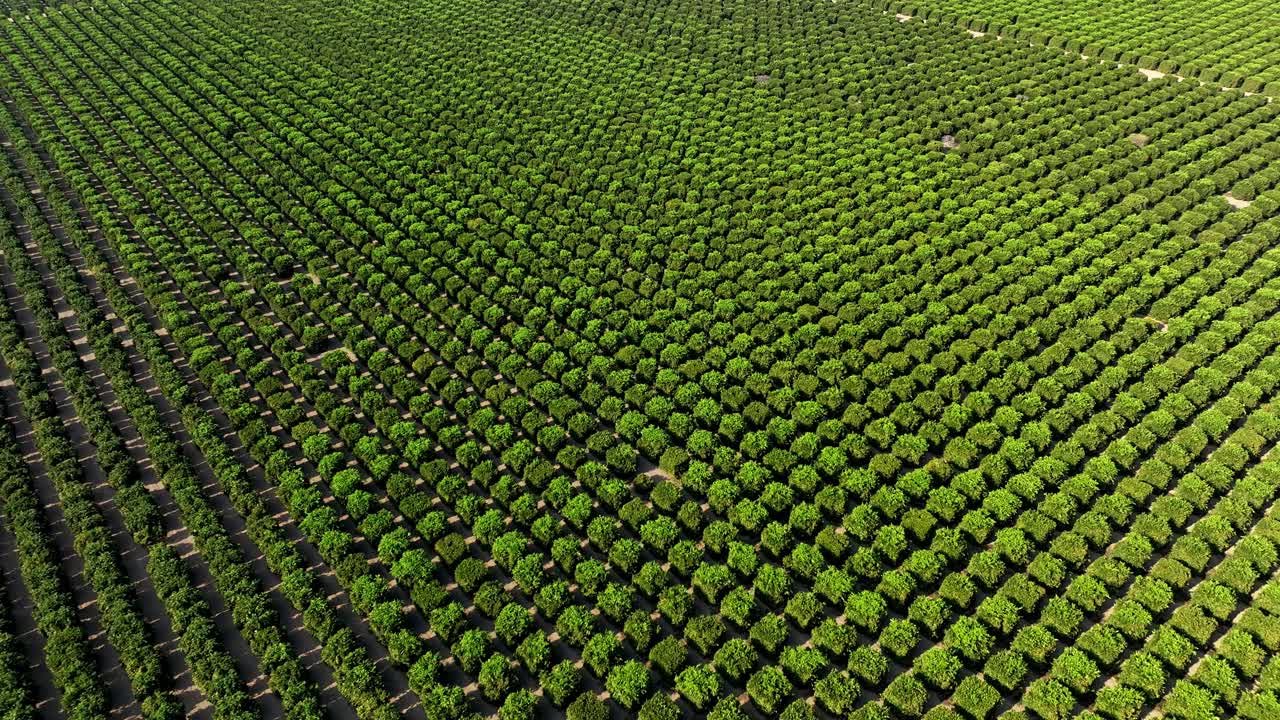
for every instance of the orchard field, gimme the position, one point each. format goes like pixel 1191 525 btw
pixel 1228 46
pixel 728 359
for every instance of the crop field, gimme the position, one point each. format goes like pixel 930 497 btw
pixel 730 359
pixel 1229 46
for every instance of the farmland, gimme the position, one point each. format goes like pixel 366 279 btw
pixel 530 359
pixel 1231 47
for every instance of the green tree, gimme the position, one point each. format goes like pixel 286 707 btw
pixel 587 707
pixel 1049 699
pixel 735 658
pixel 627 683
pixel 495 677
pixel 769 688
pixel 699 685
pixel 518 705
pixel 906 695
pixel 561 682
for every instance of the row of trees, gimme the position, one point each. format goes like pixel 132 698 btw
pixel 320 524
pixel 301 382
pixel 1221 588
pixel 321 531
pixel 15 685
pixel 67 652
pixel 121 617
pixel 1193 39
pixel 644 390
pixel 212 668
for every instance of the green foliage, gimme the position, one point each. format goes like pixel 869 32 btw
pixel 519 705
pixel 495 677
pixel 937 667
pixel 899 638
pixel 906 695
pixel 627 683
pixel 975 697
pixel 600 653
pixel 1188 701
pixel 735 658
pixel 1006 669
pixel 587 707
pixel 1074 669
pixel 769 688
pixel 970 639
pixel 837 692
pixel 669 656
pixel 1048 699
pixel 699 685
pixel 986 362
pixel 561 683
